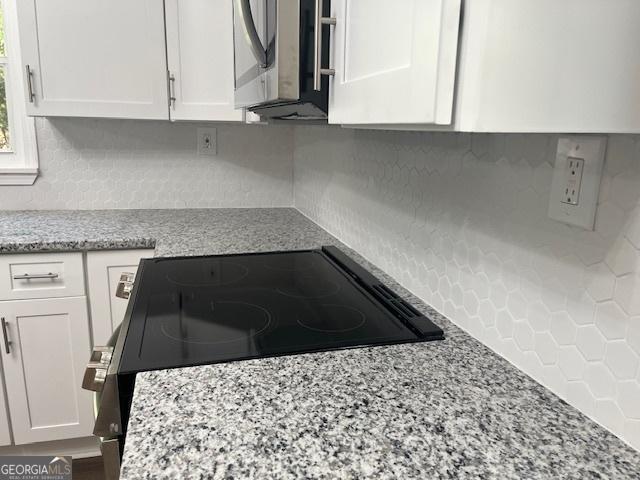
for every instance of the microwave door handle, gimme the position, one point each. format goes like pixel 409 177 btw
pixel 251 33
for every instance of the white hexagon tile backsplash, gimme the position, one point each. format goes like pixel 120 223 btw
pixel 461 220
pixel 100 163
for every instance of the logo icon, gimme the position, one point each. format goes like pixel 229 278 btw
pixel 35 467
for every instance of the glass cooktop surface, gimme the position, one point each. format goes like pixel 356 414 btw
pixel 200 310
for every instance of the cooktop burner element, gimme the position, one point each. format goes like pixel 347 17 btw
pixel 333 318
pixel 200 310
pixel 217 322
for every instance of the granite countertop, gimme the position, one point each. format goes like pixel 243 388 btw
pixel 449 409
pixel 171 232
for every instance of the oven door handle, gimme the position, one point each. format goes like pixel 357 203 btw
pixel 258 50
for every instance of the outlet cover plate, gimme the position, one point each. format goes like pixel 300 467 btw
pixel 591 149
pixel 207 141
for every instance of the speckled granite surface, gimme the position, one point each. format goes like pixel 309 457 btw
pixel 450 409
pixel 173 232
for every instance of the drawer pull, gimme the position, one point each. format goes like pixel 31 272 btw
pixel 26 276
pixel 7 343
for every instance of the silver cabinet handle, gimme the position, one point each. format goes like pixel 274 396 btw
pixel 31 95
pixel 259 51
pixel 7 343
pixel 27 276
pixel 172 90
pixel 318 71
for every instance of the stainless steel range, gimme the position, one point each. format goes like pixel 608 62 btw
pixel 190 311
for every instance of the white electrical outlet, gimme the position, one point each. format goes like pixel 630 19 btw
pixel 207 142
pixel 576 180
pixel 573 180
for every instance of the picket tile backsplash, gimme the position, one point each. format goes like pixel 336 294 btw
pixel 461 220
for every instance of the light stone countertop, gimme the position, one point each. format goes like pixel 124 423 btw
pixel 449 409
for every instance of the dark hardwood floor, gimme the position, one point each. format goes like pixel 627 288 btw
pixel 88 469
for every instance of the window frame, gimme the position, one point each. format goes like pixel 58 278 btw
pixel 18 166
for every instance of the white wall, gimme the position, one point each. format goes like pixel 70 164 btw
pixel 97 164
pixel 461 221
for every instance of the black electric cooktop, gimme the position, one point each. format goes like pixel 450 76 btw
pixel 200 310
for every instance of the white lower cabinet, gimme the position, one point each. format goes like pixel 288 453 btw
pixel 45 350
pixel 43 275
pixel 104 269
pixel 46 343
pixel 5 429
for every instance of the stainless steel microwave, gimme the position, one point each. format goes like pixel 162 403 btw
pixel 280 48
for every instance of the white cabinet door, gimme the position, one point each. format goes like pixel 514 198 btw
pixel 5 430
pixel 200 59
pixel 549 66
pixel 394 61
pixel 93 58
pixel 48 350
pixel 103 272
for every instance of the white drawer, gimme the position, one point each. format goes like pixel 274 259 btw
pixel 41 275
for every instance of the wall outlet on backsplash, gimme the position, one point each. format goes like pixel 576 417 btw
pixel 576 180
pixel 105 163
pixel 573 180
pixel 207 142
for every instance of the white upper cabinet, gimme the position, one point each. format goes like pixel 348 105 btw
pixel 394 61
pixel 200 59
pixel 525 66
pixel 550 66
pixel 502 66
pixel 95 58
